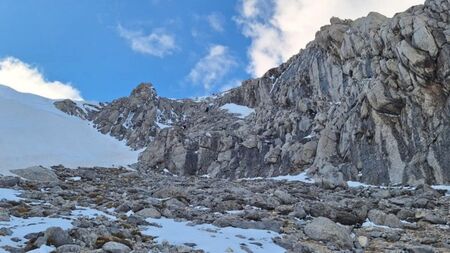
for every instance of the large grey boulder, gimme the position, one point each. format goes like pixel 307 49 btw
pixel 56 236
pixel 149 212
pixel 324 229
pixel 380 218
pixel 115 247
pixel 36 173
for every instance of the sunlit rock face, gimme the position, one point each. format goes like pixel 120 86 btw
pixel 366 100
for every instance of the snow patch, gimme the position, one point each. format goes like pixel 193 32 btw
pixel 43 249
pixel 213 239
pixel 162 126
pixel 369 224
pixel 21 227
pixel 442 187
pixel 356 184
pixel 9 194
pixel 240 110
pixel 75 179
pixel 90 213
pixel 302 177
pixel 33 132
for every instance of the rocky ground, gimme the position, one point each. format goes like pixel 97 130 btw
pixel 302 217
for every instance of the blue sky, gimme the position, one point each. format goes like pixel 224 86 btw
pixel 100 50
pixel 79 42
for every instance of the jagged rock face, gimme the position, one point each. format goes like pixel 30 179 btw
pixel 139 117
pixel 366 100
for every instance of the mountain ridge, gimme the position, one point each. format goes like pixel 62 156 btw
pixel 367 100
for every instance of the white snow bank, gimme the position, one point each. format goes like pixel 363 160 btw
pixel 240 110
pixel 33 132
pixel 21 227
pixel 213 239
pixel 9 194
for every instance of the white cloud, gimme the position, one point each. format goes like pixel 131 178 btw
pixel 25 78
pixel 158 43
pixel 280 28
pixel 212 68
pixel 216 22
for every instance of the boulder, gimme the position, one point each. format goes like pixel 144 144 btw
pixel 324 229
pixel 115 247
pixel 37 173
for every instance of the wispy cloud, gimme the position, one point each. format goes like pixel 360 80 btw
pixel 26 78
pixel 280 28
pixel 216 22
pixel 210 70
pixel 157 43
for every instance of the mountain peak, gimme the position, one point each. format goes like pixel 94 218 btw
pixel 144 91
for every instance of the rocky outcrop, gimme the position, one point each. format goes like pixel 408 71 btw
pixel 366 100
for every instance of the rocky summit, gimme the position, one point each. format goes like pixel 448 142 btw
pixel 343 148
pixel 367 100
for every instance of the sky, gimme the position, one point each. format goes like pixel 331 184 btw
pixel 100 50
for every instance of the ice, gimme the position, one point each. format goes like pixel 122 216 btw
pixel 33 132
pixel 241 111
pixel 213 239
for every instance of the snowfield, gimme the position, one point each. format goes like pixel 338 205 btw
pixel 240 110
pixel 213 239
pixel 33 132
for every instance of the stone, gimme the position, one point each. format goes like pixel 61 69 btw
pixel 149 213
pixel 8 181
pixel 380 218
pixel 363 241
pixel 330 177
pixel 324 229
pixel 56 236
pixel 422 249
pixel 115 247
pixel 434 219
pixel 37 173
pixel 68 248
pixel 4 215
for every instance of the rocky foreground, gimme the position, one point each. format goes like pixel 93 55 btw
pixel 301 217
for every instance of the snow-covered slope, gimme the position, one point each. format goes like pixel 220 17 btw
pixel 33 132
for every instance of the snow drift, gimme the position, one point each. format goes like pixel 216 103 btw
pixel 33 132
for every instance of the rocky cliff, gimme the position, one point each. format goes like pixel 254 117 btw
pixel 367 100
